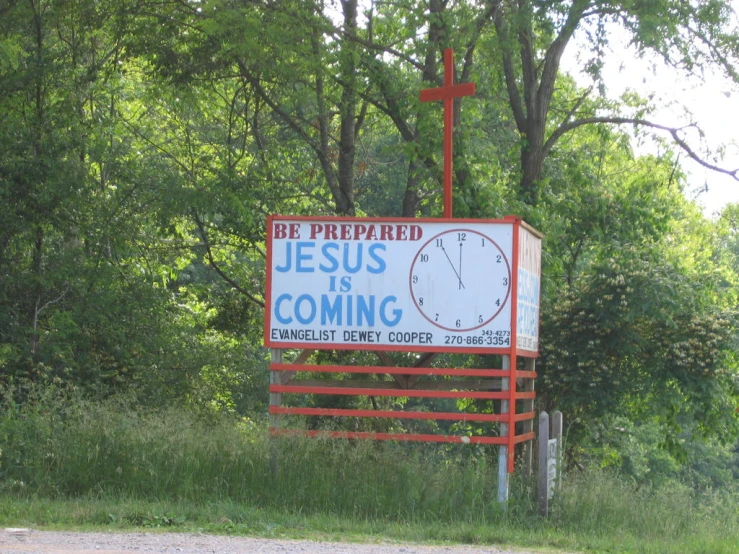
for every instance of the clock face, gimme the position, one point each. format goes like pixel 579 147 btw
pixel 460 280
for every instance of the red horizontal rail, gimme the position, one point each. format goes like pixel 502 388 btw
pixel 524 437
pixel 388 413
pixel 390 370
pixel 410 393
pixel 390 436
pixel 524 416
pixel 414 393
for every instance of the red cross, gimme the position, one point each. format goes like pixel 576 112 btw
pixel 448 93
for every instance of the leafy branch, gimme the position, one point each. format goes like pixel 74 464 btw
pixel 673 131
pixel 216 267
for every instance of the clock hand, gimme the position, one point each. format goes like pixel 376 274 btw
pixel 461 284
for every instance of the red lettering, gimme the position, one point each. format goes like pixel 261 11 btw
pixel 280 230
pixel 350 231
pixel 359 230
pixel 386 232
pixel 315 228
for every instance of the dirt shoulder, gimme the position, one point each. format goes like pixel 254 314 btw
pixel 13 541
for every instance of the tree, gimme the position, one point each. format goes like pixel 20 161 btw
pixel 534 35
pixel 85 246
pixel 637 322
pixel 290 68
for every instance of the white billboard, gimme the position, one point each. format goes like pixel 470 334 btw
pixel 389 284
pixel 528 289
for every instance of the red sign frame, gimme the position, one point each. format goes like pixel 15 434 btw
pixel 312 339
pixel 472 383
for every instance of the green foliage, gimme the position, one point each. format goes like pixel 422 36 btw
pixel 632 332
pixel 143 146
pixel 638 319
pixel 67 461
pixel 637 450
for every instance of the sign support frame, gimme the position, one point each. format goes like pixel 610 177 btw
pixel 493 384
pixel 511 386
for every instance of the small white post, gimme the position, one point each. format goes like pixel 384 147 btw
pixel 557 434
pixel 502 449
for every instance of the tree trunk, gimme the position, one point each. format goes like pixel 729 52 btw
pixel 348 109
pixel 532 160
pixel 411 198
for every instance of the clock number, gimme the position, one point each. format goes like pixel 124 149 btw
pixel 461 237
pixel 424 257
pixel 420 301
pixel 497 302
pixel 415 279
pixel 458 323
pixel 505 281
pixel 483 244
pixel 440 243
pixel 479 320
pixel 436 318
pixel 498 259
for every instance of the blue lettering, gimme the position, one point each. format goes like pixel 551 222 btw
pixel 397 313
pixel 349 311
pixel 288 264
pixel 278 316
pixel 329 311
pixel 305 299
pixel 381 265
pixel 358 261
pixel 340 310
pixel 329 257
pixel 528 318
pixel 300 257
pixel 365 310
pixel 528 287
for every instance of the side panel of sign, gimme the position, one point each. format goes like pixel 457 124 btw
pixel 389 284
pixel 529 290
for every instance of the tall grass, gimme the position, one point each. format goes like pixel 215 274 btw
pixel 81 448
pixel 65 449
pixel 661 519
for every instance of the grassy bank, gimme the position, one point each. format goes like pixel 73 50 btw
pixel 78 464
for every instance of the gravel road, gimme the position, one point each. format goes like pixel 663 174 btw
pixel 14 541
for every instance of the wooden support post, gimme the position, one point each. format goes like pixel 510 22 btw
pixel 275 399
pixel 542 488
pixel 502 449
